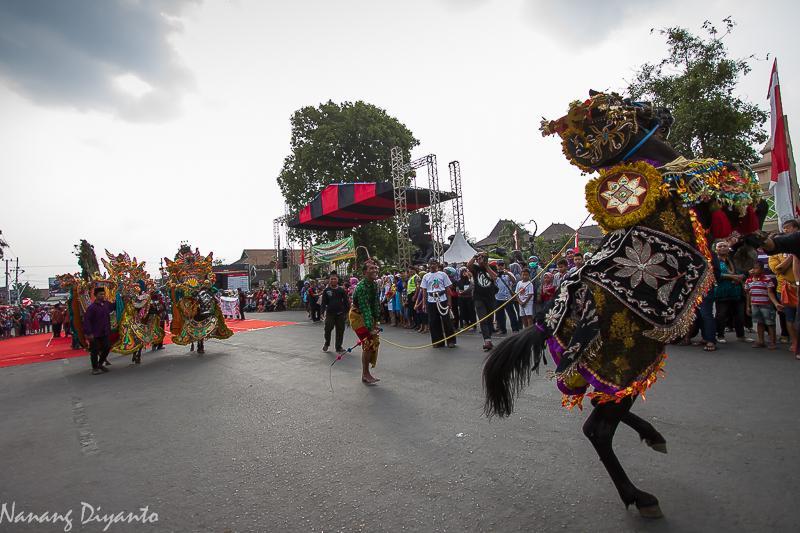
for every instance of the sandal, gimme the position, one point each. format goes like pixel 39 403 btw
pixel 759 345
pixel 772 346
pixel 710 347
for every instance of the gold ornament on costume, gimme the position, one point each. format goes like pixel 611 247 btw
pixel 190 271
pixel 623 195
pixel 595 130
pixel 127 272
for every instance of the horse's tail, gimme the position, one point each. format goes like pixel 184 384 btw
pixel 508 369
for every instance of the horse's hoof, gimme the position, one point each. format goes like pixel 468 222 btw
pixel 660 447
pixel 650 511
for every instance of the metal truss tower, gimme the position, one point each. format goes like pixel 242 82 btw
pixel 399 183
pixel 276 236
pixel 458 203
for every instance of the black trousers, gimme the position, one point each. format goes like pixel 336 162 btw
pixel 511 311
pixel 98 350
pixel 241 311
pixel 412 314
pixel 441 326
pixel 483 308
pixel 57 329
pixel 733 309
pixel 338 321
pixel 456 308
pixel 466 311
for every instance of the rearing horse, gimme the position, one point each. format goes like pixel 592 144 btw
pixel 608 327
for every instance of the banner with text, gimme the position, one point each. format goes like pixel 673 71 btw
pixel 328 252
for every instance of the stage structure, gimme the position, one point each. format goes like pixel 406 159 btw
pixel 343 206
pixel 399 184
pixel 400 181
pixel 283 241
pixel 458 201
pixel 277 228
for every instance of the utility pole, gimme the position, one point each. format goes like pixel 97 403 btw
pixel 16 281
pixel 8 289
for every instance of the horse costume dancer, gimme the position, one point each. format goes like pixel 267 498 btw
pixel 80 287
pixel 607 328
pixel 137 316
pixel 195 310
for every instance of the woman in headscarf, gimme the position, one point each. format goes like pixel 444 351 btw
pixel 548 290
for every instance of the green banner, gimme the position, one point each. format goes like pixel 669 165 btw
pixel 327 252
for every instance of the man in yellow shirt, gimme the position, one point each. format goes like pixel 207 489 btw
pixel 782 266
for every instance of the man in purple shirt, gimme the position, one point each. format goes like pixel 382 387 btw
pixel 97 328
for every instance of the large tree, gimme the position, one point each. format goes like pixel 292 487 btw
pixel 697 82
pixel 3 244
pixel 344 143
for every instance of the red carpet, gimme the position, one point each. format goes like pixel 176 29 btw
pixel 38 348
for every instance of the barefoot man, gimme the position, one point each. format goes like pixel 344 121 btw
pixel 364 316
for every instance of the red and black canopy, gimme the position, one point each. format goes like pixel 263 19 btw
pixel 348 205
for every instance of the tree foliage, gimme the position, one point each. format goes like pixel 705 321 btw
pixel 697 82
pixel 505 239
pixel 344 143
pixel 3 244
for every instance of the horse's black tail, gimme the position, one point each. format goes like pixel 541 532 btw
pixel 508 369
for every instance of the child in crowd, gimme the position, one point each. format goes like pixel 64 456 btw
pixel 762 303
pixel 526 296
pixel 562 268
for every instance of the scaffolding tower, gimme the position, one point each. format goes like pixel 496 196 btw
pixel 276 236
pixel 399 184
pixel 458 205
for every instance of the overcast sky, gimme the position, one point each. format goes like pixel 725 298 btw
pixel 138 124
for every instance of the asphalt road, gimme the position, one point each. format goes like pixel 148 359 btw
pixel 249 437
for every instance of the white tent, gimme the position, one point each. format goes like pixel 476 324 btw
pixel 460 251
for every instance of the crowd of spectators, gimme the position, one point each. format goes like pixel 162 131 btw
pixel 32 319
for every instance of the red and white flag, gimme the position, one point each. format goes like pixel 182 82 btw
pixel 780 182
pixel 577 248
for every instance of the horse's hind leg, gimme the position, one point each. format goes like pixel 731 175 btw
pixel 646 431
pixel 600 428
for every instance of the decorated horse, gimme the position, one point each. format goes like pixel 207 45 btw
pixel 139 318
pixel 196 311
pixel 608 326
pixel 80 287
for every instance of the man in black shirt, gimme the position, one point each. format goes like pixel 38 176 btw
pixel 337 305
pixel 483 276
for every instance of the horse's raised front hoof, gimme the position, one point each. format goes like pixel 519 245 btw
pixel 660 447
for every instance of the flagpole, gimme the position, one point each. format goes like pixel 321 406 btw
pixel 792 168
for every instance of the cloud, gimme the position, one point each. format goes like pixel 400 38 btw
pixel 576 23
pixel 84 53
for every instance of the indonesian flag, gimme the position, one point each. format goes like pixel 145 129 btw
pixel 577 248
pixel 780 182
